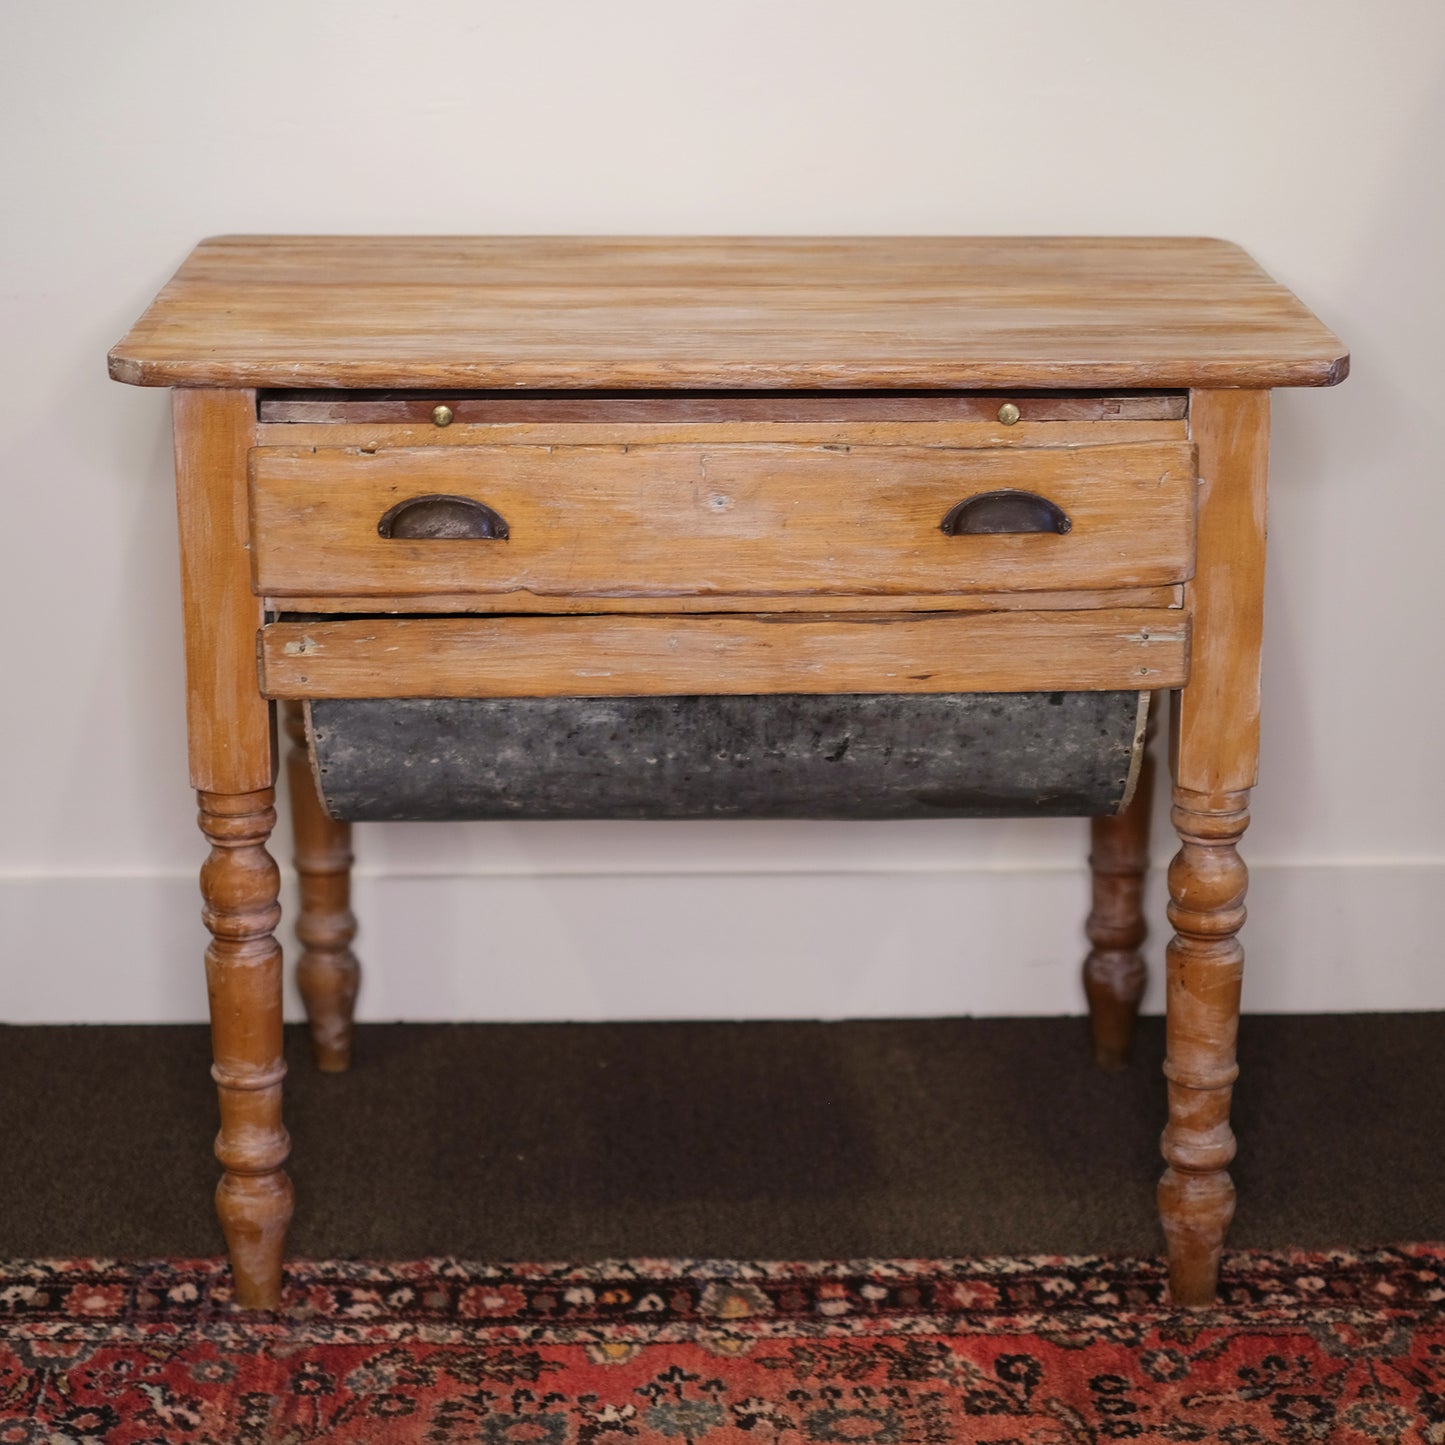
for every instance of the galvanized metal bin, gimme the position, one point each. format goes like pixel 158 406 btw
pixel 984 755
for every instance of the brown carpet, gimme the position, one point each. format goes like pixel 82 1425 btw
pixel 757 1140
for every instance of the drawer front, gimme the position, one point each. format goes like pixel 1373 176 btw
pixel 739 520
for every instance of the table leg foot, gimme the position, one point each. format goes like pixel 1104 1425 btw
pixel 239 884
pixel 1207 883
pixel 327 973
pixel 1114 971
pixel 1196 1210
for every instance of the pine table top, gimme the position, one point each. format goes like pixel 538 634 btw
pixel 725 312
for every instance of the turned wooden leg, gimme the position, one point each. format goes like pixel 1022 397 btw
pixel 1207 882
pixel 327 972
pixel 1214 757
pixel 1114 971
pixel 239 884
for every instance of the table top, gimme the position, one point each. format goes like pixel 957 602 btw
pixel 725 312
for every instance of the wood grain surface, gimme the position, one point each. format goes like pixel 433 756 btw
pixel 658 656
pixel 231 729
pixel 1215 724
pixel 1215 746
pixel 719 520
pixel 611 408
pixel 1074 600
pixel 1115 973
pixel 597 312
pixel 328 974
pixel 922 432
pixel 239 886
pixel 1205 970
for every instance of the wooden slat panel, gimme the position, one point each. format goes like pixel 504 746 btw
pixel 379 435
pixel 911 313
pixel 725 520
pixel 511 407
pixel 443 602
pixel 631 656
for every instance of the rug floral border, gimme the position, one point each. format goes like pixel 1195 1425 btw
pixel 661 1300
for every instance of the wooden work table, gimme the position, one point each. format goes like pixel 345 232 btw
pixel 568 469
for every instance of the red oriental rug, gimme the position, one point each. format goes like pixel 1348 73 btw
pixel 1340 1346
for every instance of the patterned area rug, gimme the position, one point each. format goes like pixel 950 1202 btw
pixel 1335 1347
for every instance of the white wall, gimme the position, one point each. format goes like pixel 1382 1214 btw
pixel 1311 131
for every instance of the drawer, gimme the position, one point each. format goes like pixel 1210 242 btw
pixel 730 519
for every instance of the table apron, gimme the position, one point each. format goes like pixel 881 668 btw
pixel 612 656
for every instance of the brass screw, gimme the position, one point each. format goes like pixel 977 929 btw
pixel 1008 413
pixel 442 415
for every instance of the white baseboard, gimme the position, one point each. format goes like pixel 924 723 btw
pixel 1321 938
